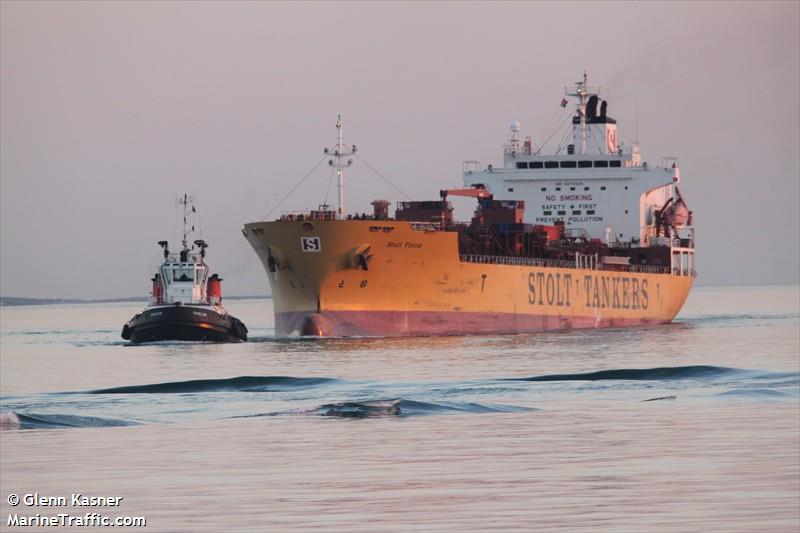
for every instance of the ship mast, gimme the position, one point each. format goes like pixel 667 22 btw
pixel 582 92
pixel 339 152
pixel 188 208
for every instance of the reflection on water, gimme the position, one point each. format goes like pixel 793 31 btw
pixel 686 427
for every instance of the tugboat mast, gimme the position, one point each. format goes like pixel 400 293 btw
pixel 340 151
pixel 188 208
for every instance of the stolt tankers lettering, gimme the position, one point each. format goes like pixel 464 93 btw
pixel 589 236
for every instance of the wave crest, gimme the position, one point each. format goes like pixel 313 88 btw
pixel 13 420
pixel 238 384
pixel 639 374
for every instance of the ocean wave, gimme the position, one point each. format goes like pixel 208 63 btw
pixel 238 384
pixel 756 394
pixel 418 407
pixel 732 320
pixel 13 420
pixel 660 398
pixel 395 407
pixel 639 374
pixel 365 409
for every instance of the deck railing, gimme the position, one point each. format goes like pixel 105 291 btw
pixel 557 263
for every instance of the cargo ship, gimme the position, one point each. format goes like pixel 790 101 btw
pixel 186 302
pixel 588 236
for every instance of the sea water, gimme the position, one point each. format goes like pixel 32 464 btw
pixel 692 426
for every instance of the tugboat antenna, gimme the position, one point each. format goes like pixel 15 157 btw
pixel 339 152
pixel 188 208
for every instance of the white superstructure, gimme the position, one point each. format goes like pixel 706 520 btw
pixel 184 279
pixel 596 187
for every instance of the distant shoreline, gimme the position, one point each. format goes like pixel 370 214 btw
pixel 12 301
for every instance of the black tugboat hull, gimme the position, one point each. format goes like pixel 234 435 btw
pixel 184 323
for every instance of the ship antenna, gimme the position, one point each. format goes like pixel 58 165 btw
pixel 340 151
pixel 582 93
pixel 188 208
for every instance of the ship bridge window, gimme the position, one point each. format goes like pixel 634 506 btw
pixel 562 213
pixel 544 189
pixel 547 213
pixel 603 188
pixel 601 164
pixel 576 212
pixel 615 163
pixel 536 164
pixel 522 164
pixel 568 164
pixel 590 212
pixel 584 164
pixel 183 274
pixel 551 164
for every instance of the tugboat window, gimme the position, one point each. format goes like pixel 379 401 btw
pixel 184 274
pixel 551 164
pixel 600 164
pixel 615 163
pixel 584 164
pixel 536 164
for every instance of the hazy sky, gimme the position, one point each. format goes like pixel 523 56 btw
pixel 110 110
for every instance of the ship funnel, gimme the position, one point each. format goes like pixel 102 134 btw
pixel 214 289
pixel 591 107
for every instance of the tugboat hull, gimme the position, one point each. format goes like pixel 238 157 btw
pixel 184 323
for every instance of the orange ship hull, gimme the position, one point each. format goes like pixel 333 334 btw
pixel 416 283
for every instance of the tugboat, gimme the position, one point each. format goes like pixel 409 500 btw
pixel 186 303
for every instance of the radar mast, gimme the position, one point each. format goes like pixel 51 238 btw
pixel 188 208
pixel 339 152
pixel 582 92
